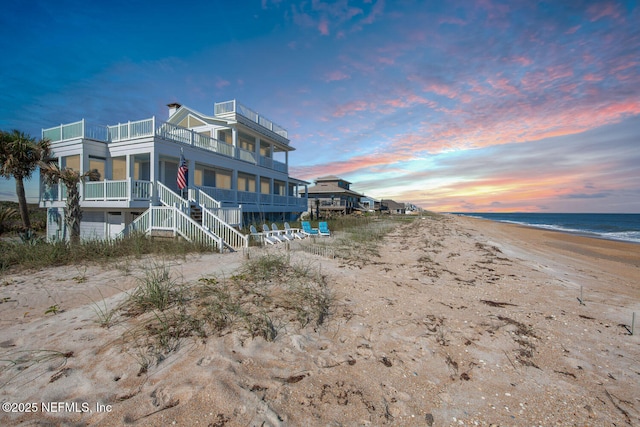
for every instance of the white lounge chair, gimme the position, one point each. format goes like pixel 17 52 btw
pixel 262 237
pixel 269 234
pixel 295 232
pixel 282 234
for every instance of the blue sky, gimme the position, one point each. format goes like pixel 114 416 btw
pixel 456 106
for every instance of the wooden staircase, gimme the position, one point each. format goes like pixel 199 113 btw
pixel 191 219
pixel 195 212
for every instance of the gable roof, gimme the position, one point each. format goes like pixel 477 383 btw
pixel 392 204
pixel 331 188
pixel 331 178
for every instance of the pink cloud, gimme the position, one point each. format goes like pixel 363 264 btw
pixel 350 107
pixel 451 20
pixel 442 89
pixel 572 30
pixel 504 85
pixel 220 83
pixel 522 60
pixel 336 76
pixel 323 27
pixel 592 78
pixel 602 10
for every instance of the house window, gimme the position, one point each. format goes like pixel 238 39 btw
pixel 279 188
pixel 246 142
pixel 265 150
pixel 223 179
pixel 119 168
pixel 142 167
pixel 71 162
pixel 265 186
pixel 246 182
pixel 97 163
pixel 208 178
pixel 225 135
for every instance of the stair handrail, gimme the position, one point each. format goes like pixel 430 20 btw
pixel 207 201
pixel 170 198
pixel 142 223
pixel 232 237
pixel 195 231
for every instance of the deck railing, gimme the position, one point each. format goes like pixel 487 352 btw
pixel 233 106
pixel 149 127
pixel 75 130
pixel 126 189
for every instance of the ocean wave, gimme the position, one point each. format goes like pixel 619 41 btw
pixel 596 229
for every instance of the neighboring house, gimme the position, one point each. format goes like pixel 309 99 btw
pixel 237 172
pixel 411 209
pixel 332 195
pixel 392 207
pixel 369 204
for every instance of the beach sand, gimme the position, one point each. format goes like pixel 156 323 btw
pixel 459 321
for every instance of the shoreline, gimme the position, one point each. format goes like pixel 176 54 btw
pixel 593 235
pixel 456 320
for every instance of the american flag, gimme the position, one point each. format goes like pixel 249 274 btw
pixel 183 173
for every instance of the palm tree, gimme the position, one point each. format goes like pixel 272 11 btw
pixel 70 178
pixel 6 215
pixel 20 154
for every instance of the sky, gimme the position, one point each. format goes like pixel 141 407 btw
pixel 456 106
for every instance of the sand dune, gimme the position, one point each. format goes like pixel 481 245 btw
pixel 459 321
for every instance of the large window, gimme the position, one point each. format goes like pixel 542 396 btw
pixel 119 168
pixel 97 163
pixel 142 167
pixel 225 135
pixel 246 182
pixel 223 179
pixel 71 162
pixel 265 150
pixel 211 177
pixel 279 188
pixel 246 142
pixel 265 186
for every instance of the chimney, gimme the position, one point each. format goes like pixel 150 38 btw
pixel 173 107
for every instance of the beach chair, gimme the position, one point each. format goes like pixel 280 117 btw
pixel 281 234
pixel 261 236
pixel 268 233
pixel 295 232
pixel 323 229
pixel 306 229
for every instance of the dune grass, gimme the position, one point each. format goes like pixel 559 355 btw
pixel 268 295
pixel 36 254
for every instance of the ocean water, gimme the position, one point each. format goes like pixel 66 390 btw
pixel 624 227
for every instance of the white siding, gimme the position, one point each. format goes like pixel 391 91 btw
pixel 92 225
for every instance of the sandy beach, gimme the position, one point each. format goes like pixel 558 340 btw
pixel 458 321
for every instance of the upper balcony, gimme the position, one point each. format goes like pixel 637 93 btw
pixel 233 108
pixel 149 127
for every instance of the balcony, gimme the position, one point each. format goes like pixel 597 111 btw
pixel 229 108
pixel 101 191
pixel 149 128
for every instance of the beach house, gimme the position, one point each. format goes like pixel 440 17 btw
pixel 195 175
pixel 332 195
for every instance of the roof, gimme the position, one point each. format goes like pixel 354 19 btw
pixel 183 111
pixel 330 188
pixel 392 204
pixel 331 178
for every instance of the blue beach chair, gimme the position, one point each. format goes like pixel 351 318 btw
pixel 306 229
pixel 323 229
